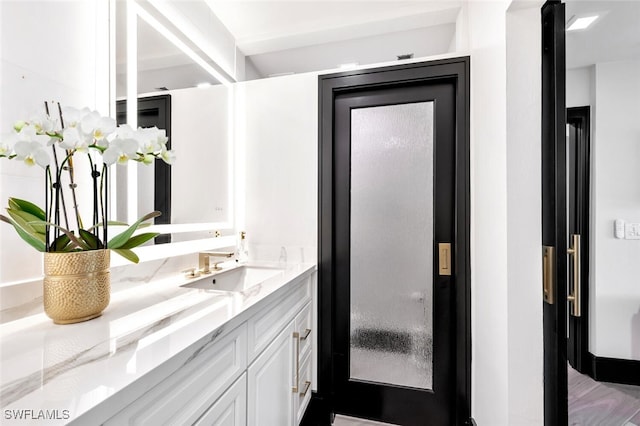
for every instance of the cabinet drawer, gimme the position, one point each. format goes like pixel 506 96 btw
pixel 302 398
pixel 304 329
pixel 230 409
pixel 263 327
pixel 183 396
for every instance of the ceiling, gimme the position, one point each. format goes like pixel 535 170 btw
pixel 295 36
pixel 280 37
pixel 615 36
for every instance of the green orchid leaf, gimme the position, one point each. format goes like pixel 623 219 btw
pixel 30 219
pixel 92 241
pixel 128 254
pixel 120 239
pixel 26 226
pixel 110 223
pixel 139 239
pixel 26 206
pixel 74 240
pixel 61 244
pixel 32 240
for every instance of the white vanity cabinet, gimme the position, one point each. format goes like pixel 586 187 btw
pixel 279 381
pixel 258 374
pixel 274 378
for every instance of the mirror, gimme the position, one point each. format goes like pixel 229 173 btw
pixel 176 90
pixel 603 135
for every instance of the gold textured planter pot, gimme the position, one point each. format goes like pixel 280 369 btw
pixel 77 285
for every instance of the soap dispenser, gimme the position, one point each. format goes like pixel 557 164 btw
pixel 242 252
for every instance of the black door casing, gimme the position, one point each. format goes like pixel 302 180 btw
pixel 554 210
pixel 450 403
pixel 578 123
pixel 155 111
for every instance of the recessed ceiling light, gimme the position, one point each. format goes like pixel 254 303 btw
pixel 582 23
pixel 203 85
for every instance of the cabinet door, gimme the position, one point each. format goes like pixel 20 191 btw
pixel 270 382
pixel 230 409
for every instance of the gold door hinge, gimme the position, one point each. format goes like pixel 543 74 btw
pixel 549 274
pixel 444 258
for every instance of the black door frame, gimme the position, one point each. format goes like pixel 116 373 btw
pixel 159 106
pixel 554 211
pixel 579 210
pixel 456 69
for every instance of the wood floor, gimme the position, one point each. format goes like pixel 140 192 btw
pixel 594 403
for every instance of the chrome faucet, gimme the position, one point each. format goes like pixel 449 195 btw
pixel 204 257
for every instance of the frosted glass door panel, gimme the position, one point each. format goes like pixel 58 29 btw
pixel 392 244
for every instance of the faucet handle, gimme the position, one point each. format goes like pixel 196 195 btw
pixel 191 273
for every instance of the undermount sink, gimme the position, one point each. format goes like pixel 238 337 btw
pixel 237 279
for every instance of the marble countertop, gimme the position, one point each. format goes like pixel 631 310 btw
pixel 53 374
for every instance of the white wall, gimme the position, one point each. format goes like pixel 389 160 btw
pixel 524 223
pixel 507 344
pixel 277 127
pixel 490 358
pixel 66 62
pixel 615 319
pixel 579 86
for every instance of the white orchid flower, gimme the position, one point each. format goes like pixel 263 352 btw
pixel 168 156
pixel 73 138
pixel 124 131
pixel 5 149
pixel 121 151
pixel 32 153
pixel 72 117
pixel 97 127
pixel 148 159
pixel 18 125
pixel 148 140
pixel 6 144
pixel 43 123
pixel 162 137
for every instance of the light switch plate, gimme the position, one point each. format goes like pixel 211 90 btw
pixel 618 231
pixel 632 231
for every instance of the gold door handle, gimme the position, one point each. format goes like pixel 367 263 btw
pixel 574 295
pixel 296 336
pixel 548 274
pixel 444 261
